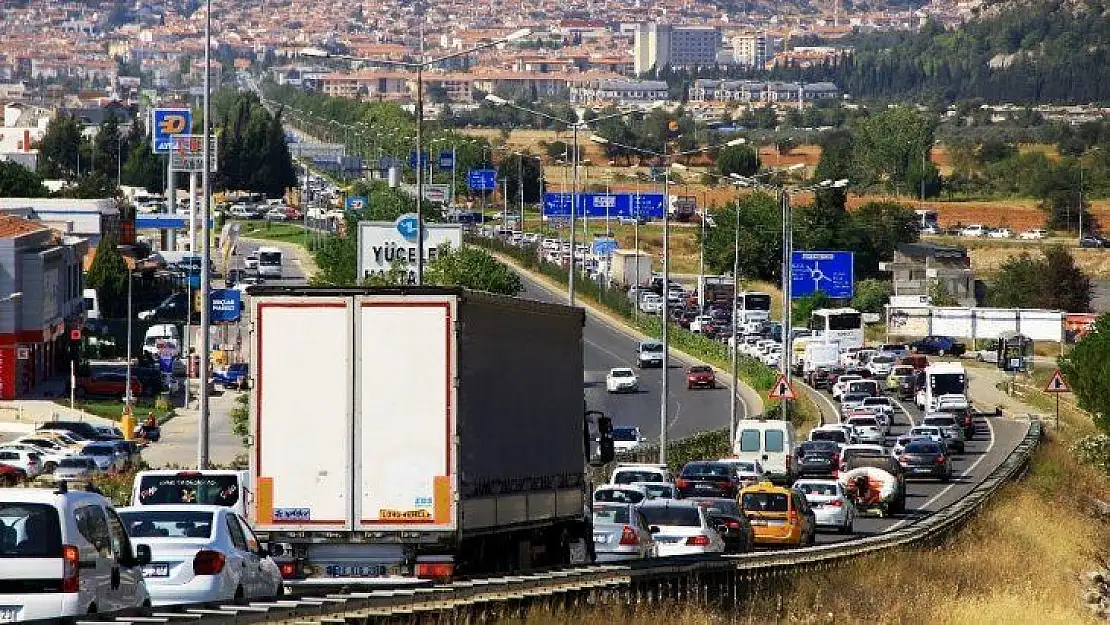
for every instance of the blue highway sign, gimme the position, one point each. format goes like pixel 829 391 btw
pixel 832 273
pixel 629 205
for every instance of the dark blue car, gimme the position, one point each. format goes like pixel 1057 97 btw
pixel 235 375
pixel 938 346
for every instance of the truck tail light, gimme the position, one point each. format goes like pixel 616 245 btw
pixel 435 570
pixel 71 569
pixel 940 459
pixel 288 569
pixel 792 517
pixel 629 537
pixel 697 541
pixel 681 483
pixel 208 562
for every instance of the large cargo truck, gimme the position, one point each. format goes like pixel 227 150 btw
pixel 408 433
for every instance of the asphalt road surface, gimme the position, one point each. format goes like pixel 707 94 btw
pixel 689 411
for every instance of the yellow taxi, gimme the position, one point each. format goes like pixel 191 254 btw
pixel 779 515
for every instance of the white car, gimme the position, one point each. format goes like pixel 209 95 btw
pixel 641 472
pixel 974 230
pixel 701 322
pixel 1034 234
pixel 681 528
pixel 30 461
pixel 626 438
pixel 49 457
pixel 868 430
pixel 830 504
pixel 750 472
pixel 838 433
pixel 71 548
pixel 201 554
pixel 841 385
pixel 927 431
pixel 651 304
pixel 622 380
pixel 880 365
pixel 1001 233
pixel 76 468
pixel 658 490
pixel 250 261
pixel 275 214
pixel 620 493
pixel 773 356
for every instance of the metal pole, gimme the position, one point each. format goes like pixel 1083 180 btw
pixel 419 164
pixel 787 351
pixel 73 378
pixel 701 264
pixel 127 390
pixel 1080 200
pixel 666 319
pixel 206 252
pixel 520 187
pixel 186 343
pixel 454 163
pixel 733 342
pixel 193 212
pixel 505 203
pixel 923 174
pixel 573 206
pixel 636 242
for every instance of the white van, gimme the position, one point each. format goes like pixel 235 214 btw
pixel 65 553
pixel 160 333
pixel 219 487
pixel 92 304
pixel 771 443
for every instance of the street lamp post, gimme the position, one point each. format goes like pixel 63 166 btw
pixel 667 158
pixel 206 251
pixel 419 66
pixel 733 346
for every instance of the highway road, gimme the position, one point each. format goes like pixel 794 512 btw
pixel 690 411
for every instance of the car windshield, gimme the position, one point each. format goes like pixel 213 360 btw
pixel 627 477
pixel 883 360
pixel 827 489
pixel 666 515
pixel 863 422
pixel 167 523
pixel 940 421
pixel 930 431
pixel 828 435
pixel 651 347
pixel 720 506
pixel 922 448
pixel 625 434
pixel 765 502
pixel 700 370
pixel 622 373
pixel 611 514
pixel 220 490
pixel 618 495
pixel 29 530
pixel 855 397
pixel 705 469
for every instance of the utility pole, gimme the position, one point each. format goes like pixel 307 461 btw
pixel 206 252
pixel 664 390
pixel 787 332
pixel 520 186
pixel 733 346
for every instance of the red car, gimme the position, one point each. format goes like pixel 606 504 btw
pixel 700 376
pixel 10 476
pixel 107 384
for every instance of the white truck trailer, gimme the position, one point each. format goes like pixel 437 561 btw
pixel 418 433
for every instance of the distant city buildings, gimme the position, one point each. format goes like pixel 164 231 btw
pixel 664 45
pixel 753 49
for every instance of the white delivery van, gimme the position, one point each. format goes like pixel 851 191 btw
pixel 92 303
pixel 771 443
pixel 160 333
pixel 219 487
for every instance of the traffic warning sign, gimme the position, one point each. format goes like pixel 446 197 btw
pixel 782 389
pixel 1057 384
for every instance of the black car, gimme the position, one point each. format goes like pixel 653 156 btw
pixel 82 428
pixel 907 387
pixel 938 346
pixel 926 459
pixel 728 519
pixel 1093 241
pixel 707 479
pixel 820 377
pixel 817 458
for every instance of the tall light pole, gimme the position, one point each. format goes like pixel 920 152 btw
pixel 667 158
pixel 127 392
pixel 419 66
pixel 206 251
pixel 733 346
pixel 575 125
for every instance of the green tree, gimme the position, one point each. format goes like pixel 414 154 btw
pixel 872 295
pixel 18 181
pixel 1087 369
pixel 887 143
pixel 760 224
pixel 873 231
pixel 837 156
pixel 511 169
pixel 108 274
pixel 144 169
pixel 472 268
pixel 1066 287
pixel 803 307
pixel 107 146
pixel 737 159
pixel 59 148
pixel 1016 283
pixel 939 295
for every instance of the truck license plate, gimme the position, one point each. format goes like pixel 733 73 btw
pixel 355 570
pixel 9 613
pixel 156 569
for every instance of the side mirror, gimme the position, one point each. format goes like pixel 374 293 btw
pixel 654 529
pixel 142 555
pixel 606 451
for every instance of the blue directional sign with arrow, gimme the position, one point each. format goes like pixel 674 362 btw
pixel 831 273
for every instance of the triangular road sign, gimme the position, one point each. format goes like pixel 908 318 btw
pixel 1057 384
pixel 782 389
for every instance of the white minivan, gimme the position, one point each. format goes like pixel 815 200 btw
pixel 771 443
pixel 229 488
pixel 65 553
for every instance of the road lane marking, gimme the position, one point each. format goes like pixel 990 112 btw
pixel 967 472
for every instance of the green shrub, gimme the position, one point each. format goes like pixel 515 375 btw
pixel 1093 450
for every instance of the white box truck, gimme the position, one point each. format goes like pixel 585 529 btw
pixel 409 433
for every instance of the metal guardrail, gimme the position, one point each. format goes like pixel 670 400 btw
pixel 721 578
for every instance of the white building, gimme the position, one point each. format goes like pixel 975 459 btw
pixel 612 91
pixel 658 45
pixel 87 219
pixel 753 50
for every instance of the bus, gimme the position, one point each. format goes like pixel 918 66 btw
pixel 945 387
pixel 838 325
pixel 752 309
pixel 269 262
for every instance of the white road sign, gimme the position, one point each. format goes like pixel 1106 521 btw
pixel 382 245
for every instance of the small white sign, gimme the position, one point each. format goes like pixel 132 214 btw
pixel 382 244
pixel 23 353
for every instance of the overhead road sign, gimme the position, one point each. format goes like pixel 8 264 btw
pixel 829 272
pixel 605 245
pixel 627 205
pixel 165 222
pixel 167 123
pixel 447 160
pixel 782 389
pixel 482 179
pixel 425 158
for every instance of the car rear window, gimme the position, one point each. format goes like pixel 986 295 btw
pixel 765 502
pixel 940 421
pixel 705 469
pixel 828 435
pixel 863 422
pixel 219 490
pixel 721 506
pixel 619 495
pixel 773 441
pixel 167 523
pixel 627 477
pixel 665 515
pixel 922 448
pixel 29 530
pixel 818 488
pixel 611 514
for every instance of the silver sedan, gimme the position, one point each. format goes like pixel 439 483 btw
pixel 621 533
